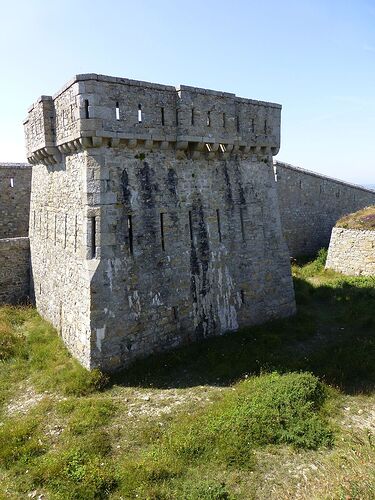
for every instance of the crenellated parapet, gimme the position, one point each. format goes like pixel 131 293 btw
pixel 95 110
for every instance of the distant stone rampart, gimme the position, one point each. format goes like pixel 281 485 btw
pixel 310 205
pixel 14 270
pixel 15 187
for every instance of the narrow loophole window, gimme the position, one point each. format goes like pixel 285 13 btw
pixel 224 120
pixel 253 125
pixel 176 117
pixel 192 116
pixel 265 127
pixel 175 313
pixel 238 123
pixel 242 224
pixel 117 111
pixel 162 241
pixel 242 296
pixel 139 113
pixel 218 224
pixel 162 116
pixel 93 237
pixel 208 118
pixel 130 234
pixel 34 221
pixel 191 225
pixel 11 182
pixel 87 112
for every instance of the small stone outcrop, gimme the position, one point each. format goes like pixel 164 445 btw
pixel 352 246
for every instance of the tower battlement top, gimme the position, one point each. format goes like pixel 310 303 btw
pixel 91 110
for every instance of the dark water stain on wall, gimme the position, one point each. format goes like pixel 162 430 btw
pixel 199 272
pixel 126 193
pixel 228 185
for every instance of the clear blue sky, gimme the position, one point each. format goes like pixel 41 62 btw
pixel 315 57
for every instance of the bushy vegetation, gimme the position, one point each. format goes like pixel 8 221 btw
pixel 310 267
pixel 267 410
pixel 282 387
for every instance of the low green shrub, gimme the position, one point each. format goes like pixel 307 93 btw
pixel 269 409
pixel 314 267
pixel 266 410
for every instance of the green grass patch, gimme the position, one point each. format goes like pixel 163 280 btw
pixel 35 352
pixel 20 441
pixel 91 437
pixel 86 414
pixel 271 409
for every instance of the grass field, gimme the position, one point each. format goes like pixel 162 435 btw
pixel 278 411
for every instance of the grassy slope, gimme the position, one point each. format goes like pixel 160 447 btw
pixel 230 417
pixel 363 219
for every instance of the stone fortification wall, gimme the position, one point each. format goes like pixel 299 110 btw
pixel 154 216
pixel 310 205
pixel 14 270
pixel 352 251
pixel 15 185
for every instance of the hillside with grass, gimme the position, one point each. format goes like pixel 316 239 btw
pixel 363 219
pixel 278 411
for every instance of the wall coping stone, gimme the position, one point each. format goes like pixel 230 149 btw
pixel 322 176
pixel 15 165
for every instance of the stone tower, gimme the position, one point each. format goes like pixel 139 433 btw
pixel 154 216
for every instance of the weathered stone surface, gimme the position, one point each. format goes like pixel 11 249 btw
pixel 14 270
pixel 169 233
pixel 311 204
pixel 352 251
pixel 15 186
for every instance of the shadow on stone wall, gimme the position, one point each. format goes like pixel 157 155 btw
pixel 331 336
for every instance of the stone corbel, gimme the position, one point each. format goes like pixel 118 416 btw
pixel 54 153
pixel 164 145
pixel 97 142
